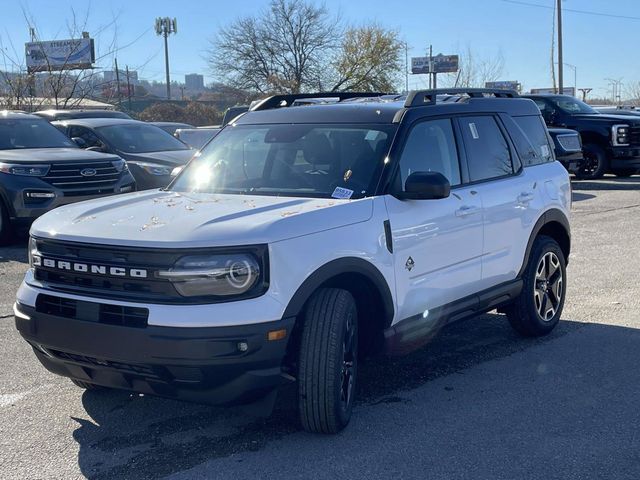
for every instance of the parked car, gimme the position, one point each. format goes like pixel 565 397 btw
pixel 568 148
pixel 233 112
pixel 611 143
pixel 150 152
pixel 53 115
pixel 171 127
pixel 197 137
pixel 41 169
pixel 633 112
pixel 300 240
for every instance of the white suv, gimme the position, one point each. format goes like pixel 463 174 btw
pixel 300 238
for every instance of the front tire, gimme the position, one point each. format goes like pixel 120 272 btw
pixel 595 163
pixel 328 361
pixel 538 308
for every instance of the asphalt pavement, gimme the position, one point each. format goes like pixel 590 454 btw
pixel 478 402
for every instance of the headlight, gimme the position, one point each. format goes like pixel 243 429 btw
pixel 120 165
pixel 33 251
pixel 620 135
pixel 155 169
pixel 25 170
pixel 217 275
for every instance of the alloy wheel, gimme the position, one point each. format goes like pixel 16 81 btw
pixel 549 286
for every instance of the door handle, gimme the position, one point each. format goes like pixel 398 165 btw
pixel 466 210
pixel 525 197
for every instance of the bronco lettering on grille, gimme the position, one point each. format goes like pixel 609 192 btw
pixel 39 261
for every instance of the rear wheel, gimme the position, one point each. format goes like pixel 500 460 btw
pixel 537 309
pixel 6 229
pixel 328 361
pixel 87 385
pixel 595 163
pixel 624 172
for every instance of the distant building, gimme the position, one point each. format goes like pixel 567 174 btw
pixel 194 82
pixel 110 76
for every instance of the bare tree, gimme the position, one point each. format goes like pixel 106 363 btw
pixel 283 48
pixel 632 92
pixel 475 70
pixel 369 60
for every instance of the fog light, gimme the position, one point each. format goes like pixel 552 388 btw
pixel 41 195
pixel 128 188
pixel 243 346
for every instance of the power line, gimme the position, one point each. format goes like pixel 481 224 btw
pixel 584 12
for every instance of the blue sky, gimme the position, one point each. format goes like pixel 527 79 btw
pixel 600 46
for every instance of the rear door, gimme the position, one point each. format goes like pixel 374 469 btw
pixel 437 243
pixel 510 196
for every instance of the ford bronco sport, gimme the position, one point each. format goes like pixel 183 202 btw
pixel 299 239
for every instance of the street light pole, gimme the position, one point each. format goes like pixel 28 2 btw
pixel 165 27
pixel 560 63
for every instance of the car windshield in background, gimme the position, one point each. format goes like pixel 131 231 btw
pixel 572 105
pixel 290 160
pixel 140 138
pixel 27 133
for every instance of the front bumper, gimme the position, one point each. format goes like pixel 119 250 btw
pixel 23 210
pixel 571 162
pixel 205 364
pixel 624 157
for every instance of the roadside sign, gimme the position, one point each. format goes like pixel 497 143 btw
pixel 439 64
pixel 565 91
pixel 504 85
pixel 57 55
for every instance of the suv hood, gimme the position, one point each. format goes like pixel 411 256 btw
pixel 610 118
pixel 158 218
pixel 50 155
pixel 170 157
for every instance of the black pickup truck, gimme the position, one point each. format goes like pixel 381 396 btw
pixel 611 143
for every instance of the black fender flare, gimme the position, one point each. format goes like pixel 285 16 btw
pixel 337 267
pixel 550 216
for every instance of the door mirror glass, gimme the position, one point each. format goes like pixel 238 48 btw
pixel 426 186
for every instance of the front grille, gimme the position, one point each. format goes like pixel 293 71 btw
pixel 634 135
pixel 92 312
pixel 68 178
pixel 570 142
pixel 135 369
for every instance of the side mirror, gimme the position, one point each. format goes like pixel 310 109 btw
pixel 79 142
pixel 425 186
pixel 98 148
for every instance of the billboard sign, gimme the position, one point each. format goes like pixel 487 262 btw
pixel 565 91
pixel 504 85
pixel 59 55
pixel 439 64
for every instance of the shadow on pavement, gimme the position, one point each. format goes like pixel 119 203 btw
pixel 132 436
pixel 607 183
pixel 578 197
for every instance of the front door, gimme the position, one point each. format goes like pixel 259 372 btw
pixel 437 243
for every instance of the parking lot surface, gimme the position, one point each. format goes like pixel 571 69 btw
pixel 478 402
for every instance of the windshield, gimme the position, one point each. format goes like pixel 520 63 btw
pixel 341 161
pixel 26 133
pixel 140 138
pixel 573 105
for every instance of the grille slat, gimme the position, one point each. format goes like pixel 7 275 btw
pixel 67 175
pixel 634 135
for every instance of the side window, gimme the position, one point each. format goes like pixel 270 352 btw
pixel 488 152
pixel 533 147
pixel 431 147
pixel 87 135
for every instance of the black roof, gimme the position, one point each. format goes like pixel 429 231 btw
pixel 385 110
pixel 67 114
pixel 16 115
pixel 99 122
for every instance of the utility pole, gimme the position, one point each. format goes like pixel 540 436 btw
pixel 431 76
pixel 406 67
pixel 560 63
pixel 118 83
pixel 128 88
pixel 585 92
pixel 165 27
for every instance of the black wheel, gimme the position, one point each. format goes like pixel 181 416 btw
pixel 87 385
pixel 595 163
pixel 538 308
pixel 328 361
pixel 6 229
pixel 624 172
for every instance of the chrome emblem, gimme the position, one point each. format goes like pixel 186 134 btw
pixel 88 172
pixel 410 264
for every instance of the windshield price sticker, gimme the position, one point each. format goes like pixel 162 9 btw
pixel 340 192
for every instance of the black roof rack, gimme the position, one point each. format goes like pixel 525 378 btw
pixel 286 100
pixel 420 98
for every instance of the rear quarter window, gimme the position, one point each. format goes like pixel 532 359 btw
pixel 533 146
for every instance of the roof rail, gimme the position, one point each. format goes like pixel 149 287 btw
pixel 420 98
pixel 286 100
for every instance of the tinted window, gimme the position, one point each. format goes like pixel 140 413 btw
pixel 140 138
pixel 30 133
pixel 487 149
pixel 431 147
pixel 302 160
pixel 533 147
pixel 85 134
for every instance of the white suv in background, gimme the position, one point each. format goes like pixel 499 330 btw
pixel 301 238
